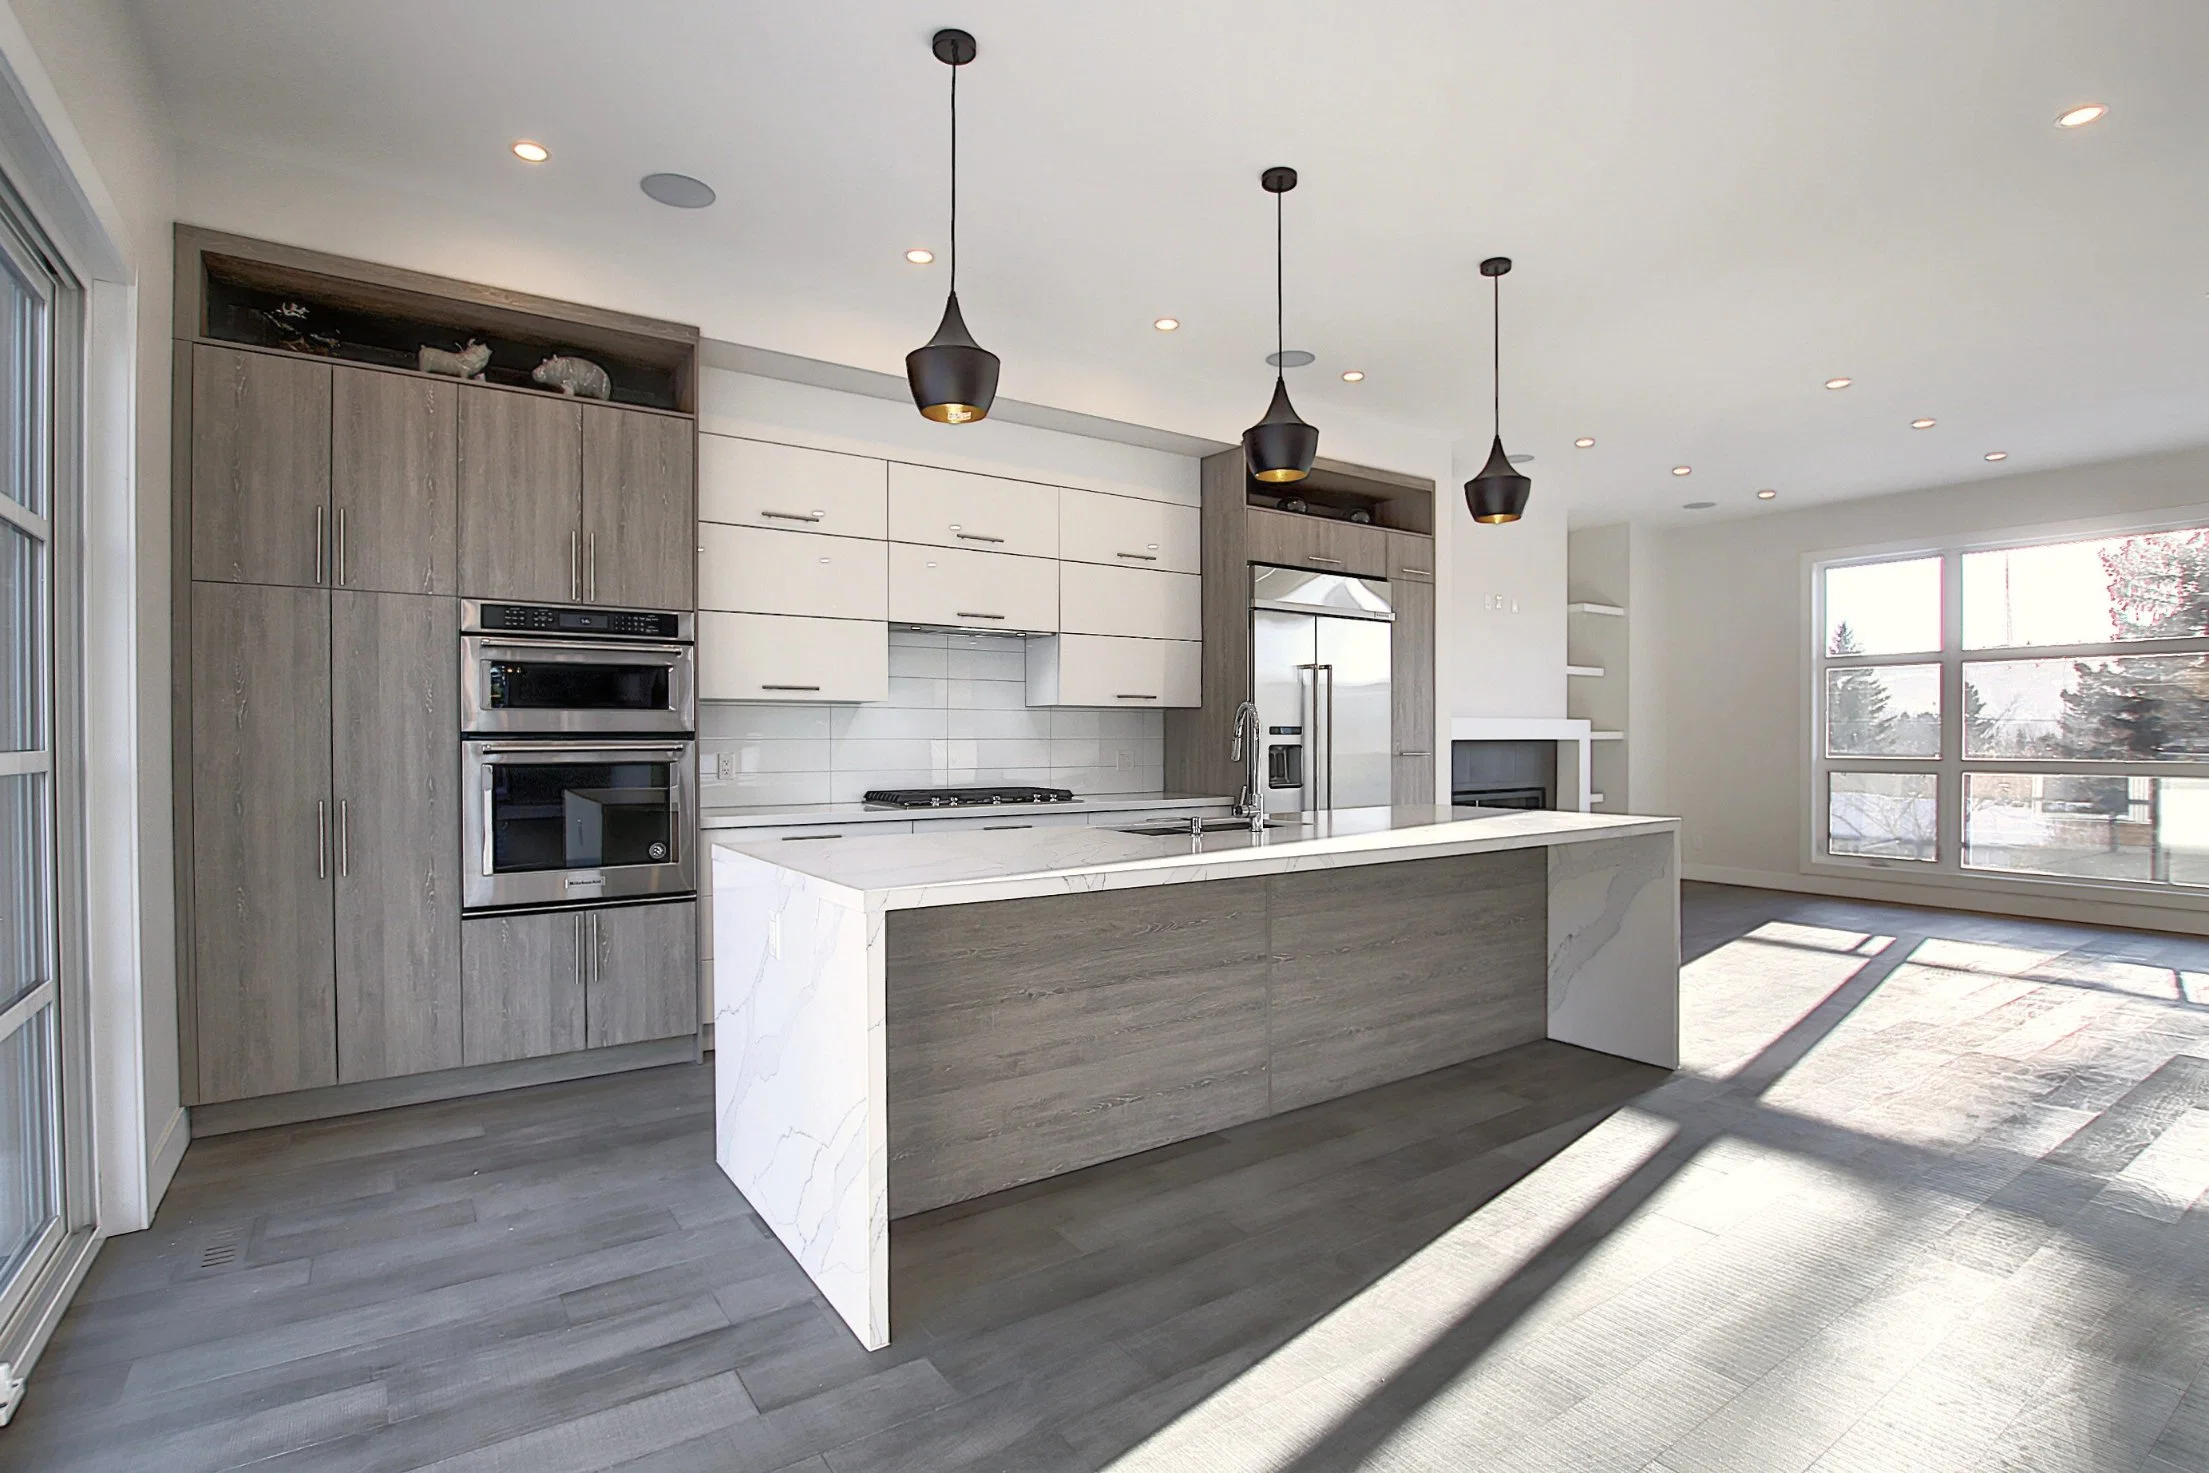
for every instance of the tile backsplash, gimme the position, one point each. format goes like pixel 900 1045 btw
pixel 958 713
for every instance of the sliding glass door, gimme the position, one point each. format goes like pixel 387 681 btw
pixel 32 1222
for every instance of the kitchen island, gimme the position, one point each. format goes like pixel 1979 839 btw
pixel 912 1020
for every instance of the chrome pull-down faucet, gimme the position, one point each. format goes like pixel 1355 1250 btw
pixel 1245 749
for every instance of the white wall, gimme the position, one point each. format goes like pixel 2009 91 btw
pixel 1732 653
pixel 79 65
pixel 1507 606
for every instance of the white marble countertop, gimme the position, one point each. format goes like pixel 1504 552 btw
pixel 917 870
pixel 734 816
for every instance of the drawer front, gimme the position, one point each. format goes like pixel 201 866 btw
pixel 757 571
pixel 972 590
pixel 1130 601
pixel 1120 531
pixel 754 484
pixel 782 657
pixel 1008 821
pixel 1094 670
pixel 1410 557
pixel 956 509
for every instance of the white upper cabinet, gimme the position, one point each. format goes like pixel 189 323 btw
pixel 985 513
pixel 757 571
pixel 756 484
pixel 973 590
pixel 1120 531
pixel 1130 601
pixel 1089 670
pixel 779 657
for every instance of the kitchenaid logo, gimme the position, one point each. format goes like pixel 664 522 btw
pixel 582 882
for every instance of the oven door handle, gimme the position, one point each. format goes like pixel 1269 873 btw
pixel 490 827
pixel 580 649
pixel 596 748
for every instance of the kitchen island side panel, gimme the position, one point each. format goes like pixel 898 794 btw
pixel 1033 1037
pixel 1391 970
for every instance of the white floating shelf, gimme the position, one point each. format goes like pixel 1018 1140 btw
pixel 1591 670
pixel 1613 610
pixel 1606 736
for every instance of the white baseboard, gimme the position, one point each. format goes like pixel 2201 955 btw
pixel 1926 891
pixel 167 1156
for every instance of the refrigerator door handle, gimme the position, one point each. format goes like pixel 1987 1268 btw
pixel 1315 758
pixel 1329 671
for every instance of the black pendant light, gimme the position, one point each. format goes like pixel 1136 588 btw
pixel 1498 494
pixel 953 378
pixel 1279 447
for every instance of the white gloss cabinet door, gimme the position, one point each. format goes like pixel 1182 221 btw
pixel 945 587
pixel 756 571
pixel 1130 601
pixel 781 657
pixel 1123 532
pixel 753 483
pixel 984 513
pixel 1093 670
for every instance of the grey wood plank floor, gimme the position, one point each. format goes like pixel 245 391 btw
pixel 1928 1194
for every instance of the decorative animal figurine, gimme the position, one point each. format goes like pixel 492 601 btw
pixel 574 376
pixel 288 321
pixel 469 362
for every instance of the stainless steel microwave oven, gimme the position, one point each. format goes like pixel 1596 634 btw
pixel 543 670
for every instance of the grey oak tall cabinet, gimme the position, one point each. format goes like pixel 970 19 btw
pixel 330 517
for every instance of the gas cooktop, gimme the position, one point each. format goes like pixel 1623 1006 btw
pixel 966 797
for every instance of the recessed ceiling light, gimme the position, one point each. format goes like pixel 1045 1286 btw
pixel 677 191
pixel 1353 375
pixel 1922 424
pixel 1520 459
pixel 1839 383
pixel 1697 505
pixel 1766 495
pixel 1167 324
pixel 920 257
pixel 1681 470
pixel 1998 455
pixel 1288 358
pixel 531 153
pixel 2080 116
pixel 1584 442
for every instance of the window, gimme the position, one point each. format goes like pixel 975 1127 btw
pixel 2031 710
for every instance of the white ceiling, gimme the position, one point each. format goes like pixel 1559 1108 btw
pixel 1714 205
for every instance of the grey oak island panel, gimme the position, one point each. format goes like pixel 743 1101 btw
pixel 261 856
pixel 1031 1037
pixel 1389 971
pixel 393 459
pixel 396 780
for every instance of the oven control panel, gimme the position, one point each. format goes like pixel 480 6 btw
pixel 546 619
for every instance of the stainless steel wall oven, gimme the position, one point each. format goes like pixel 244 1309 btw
pixel 577 729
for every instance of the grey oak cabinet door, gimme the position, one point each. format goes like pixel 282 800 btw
pixel 521 495
pixel 521 985
pixel 1411 673
pixel 266 1010
pixel 393 460
pixel 1295 541
pixel 396 776
pixel 640 524
pixel 642 974
pixel 260 468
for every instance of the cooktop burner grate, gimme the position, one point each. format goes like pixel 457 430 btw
pixel 965 797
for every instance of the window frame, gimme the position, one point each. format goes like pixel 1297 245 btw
pixel 1949 767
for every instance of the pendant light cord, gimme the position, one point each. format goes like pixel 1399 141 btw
pixel 1280 335
pixel 954 180
pixel 1495 342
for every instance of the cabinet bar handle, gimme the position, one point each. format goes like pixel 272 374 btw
pixel 793 516
pixel 1134 696
pixel 1318 559
pixel 344 552
pixel 590 976
pixel 789 687
pixel 976 537
pixel 344 836
pixel 590 583
pixel 579 952
pixel 1414 752
pixel 991 828
pixel 318 559
pixel 965 615
pixel 575 572
pixel 321 839
pixel 1148 557
pixel 1417 572
pixel 801 838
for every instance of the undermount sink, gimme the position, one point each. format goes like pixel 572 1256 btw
pixel 1207 825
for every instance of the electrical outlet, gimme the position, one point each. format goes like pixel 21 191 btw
pixel 1122 759
pixel 724 766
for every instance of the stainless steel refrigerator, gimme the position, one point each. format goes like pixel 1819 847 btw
pixel 1319 674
